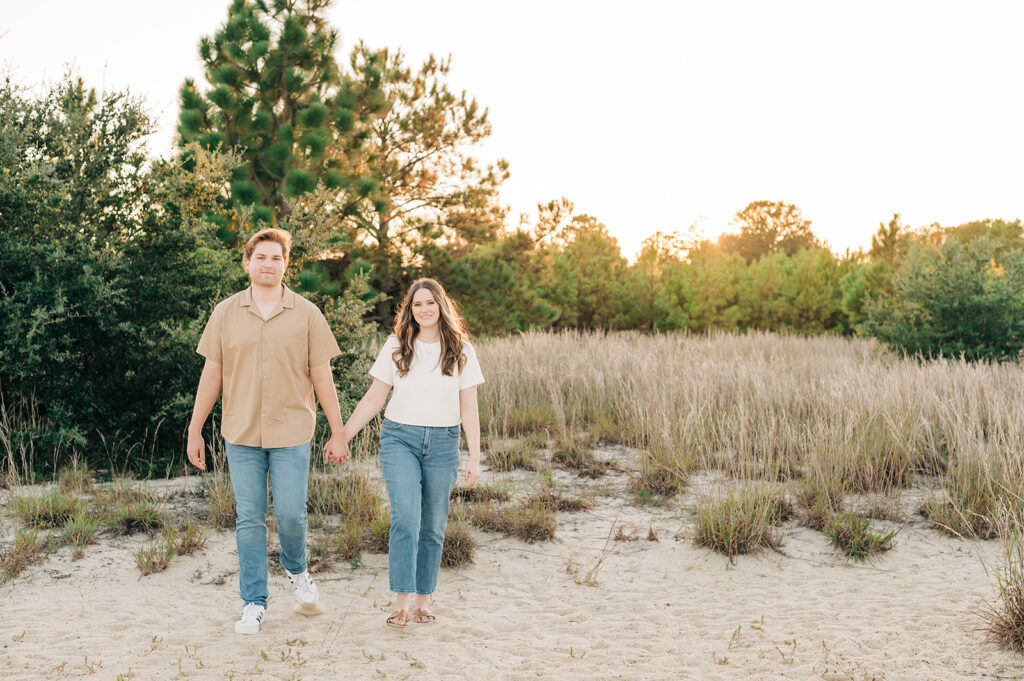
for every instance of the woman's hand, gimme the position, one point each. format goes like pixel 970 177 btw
pixel 336 450
pixel 473 470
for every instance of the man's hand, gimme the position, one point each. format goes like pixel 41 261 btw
pixel 473 470
pixel 336 450
pixel 196 450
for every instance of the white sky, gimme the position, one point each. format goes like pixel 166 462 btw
pixel 655 115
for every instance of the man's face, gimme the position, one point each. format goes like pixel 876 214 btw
pixel 266 264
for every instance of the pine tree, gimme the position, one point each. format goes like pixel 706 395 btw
pixel 278 96
pixel 427 201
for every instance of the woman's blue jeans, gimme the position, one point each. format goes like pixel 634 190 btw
pixel 420 465
pixel 289 473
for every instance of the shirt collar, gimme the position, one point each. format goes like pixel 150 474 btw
pixel 287 302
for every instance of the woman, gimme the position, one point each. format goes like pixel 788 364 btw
pixel 434 372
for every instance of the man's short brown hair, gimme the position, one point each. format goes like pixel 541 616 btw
pixel 271 234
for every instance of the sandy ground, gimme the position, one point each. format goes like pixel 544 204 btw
pixel 660 610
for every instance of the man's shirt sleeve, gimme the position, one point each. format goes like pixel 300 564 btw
pixel 323 347
pixel 209 345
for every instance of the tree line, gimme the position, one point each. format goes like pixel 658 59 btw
pixel 112 258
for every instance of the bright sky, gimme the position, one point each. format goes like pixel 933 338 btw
pixel 656 115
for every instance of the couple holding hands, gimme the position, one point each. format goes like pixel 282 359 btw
pixel 269 349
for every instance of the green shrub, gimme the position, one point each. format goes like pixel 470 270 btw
pixel 110 265
pixel 963 298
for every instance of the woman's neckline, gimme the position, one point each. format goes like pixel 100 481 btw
pixel 437 342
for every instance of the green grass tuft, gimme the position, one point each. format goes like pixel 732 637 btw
pixel 852 534
pixel 818 499
pixel 518 455
pixel 738 521
pixel 28 547
pixel 459 545
pixel 220 507
pixel 574 454
pixel 378 534
pixel 558 500
pixel 81 530
pixel 139 516
pixel 46 511
pixel 533 522
pixel 480 493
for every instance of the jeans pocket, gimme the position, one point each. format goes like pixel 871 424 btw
pixel 454 431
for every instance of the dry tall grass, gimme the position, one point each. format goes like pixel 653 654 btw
pixel 767 406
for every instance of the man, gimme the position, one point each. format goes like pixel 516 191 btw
pixel 270 348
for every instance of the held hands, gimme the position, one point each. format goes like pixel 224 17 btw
pixel 336 450
pixel 473 470
pixel 196 450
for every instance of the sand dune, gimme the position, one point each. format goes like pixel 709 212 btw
pixel 660 610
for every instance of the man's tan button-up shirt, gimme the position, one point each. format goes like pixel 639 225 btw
pixel 268 395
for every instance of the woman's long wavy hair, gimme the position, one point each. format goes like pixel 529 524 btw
pixel 450 322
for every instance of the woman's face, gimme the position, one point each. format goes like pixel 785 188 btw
pixel 424 308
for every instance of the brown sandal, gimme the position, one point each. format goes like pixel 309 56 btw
pixel 424 616
pixel 398 619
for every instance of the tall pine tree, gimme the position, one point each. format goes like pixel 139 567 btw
pixel 278 96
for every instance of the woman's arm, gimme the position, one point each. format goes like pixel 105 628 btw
pixel 471 426
pixel 367 408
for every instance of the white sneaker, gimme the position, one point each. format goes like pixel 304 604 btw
pixel 252 617
pixel 304 588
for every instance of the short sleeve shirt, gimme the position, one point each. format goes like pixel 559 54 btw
pixel 267 393
pixel 425 397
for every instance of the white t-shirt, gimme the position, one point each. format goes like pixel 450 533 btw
pixel 425 397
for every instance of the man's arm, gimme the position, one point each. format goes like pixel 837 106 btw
pixel 336 449
pixel 206 397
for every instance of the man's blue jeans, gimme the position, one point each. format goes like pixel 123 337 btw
pixel 420 464
pixel 289 473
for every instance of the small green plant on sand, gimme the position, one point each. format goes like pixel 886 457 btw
pixel 738 521
pixel 851 534
pixel 49 510
pixel 81 530
pixel 574 453
pixel 28 547
pixel 511 456
pixel 459 545
pixel 1004 619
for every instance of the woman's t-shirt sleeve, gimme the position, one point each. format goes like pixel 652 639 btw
pixel 471 374
pixel 382 368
